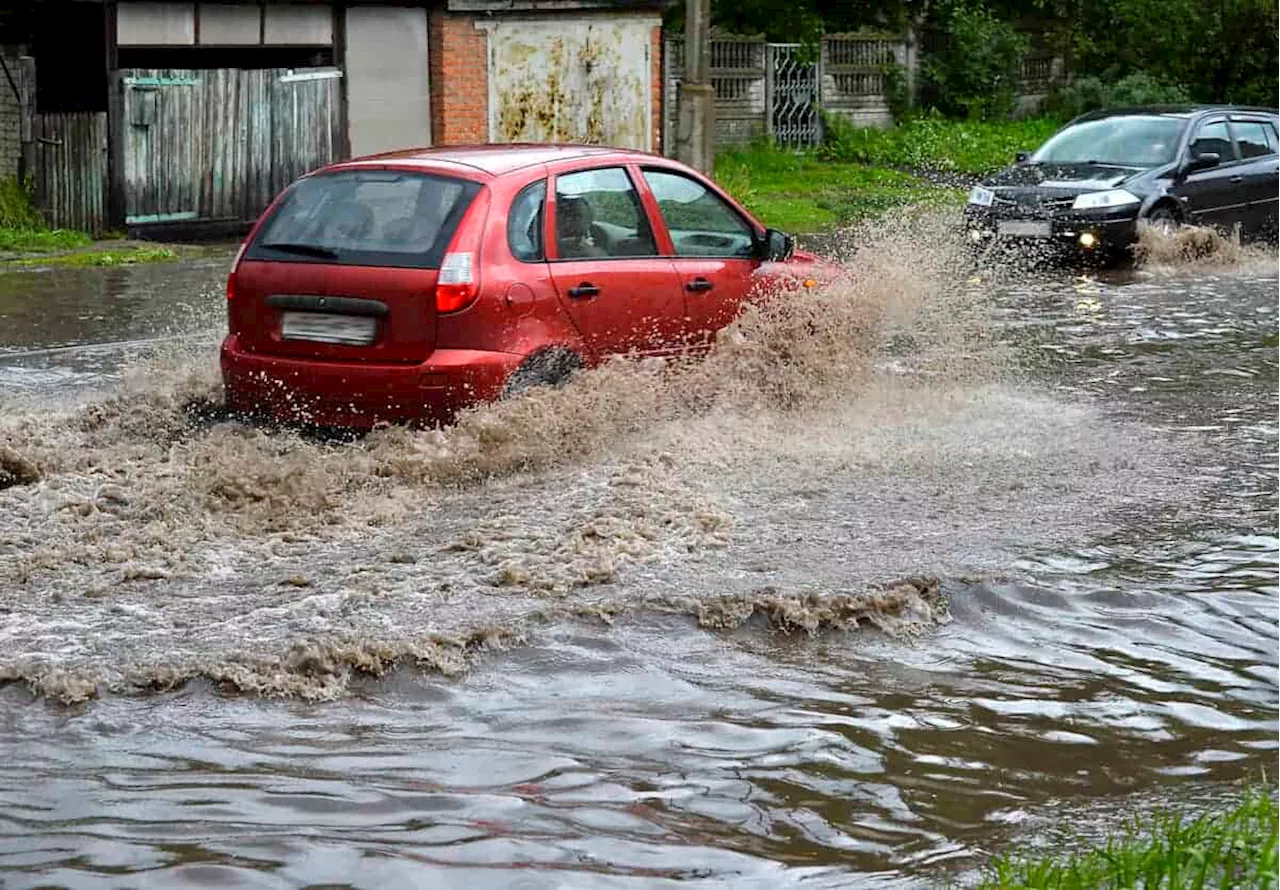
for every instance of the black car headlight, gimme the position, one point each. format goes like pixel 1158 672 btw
pixel 1110 199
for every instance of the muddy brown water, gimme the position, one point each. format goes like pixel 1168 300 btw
pixel 931 566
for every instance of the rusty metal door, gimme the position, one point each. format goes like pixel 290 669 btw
pixel 221 144
pixel 572 79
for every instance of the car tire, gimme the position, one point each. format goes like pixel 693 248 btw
pixel 551 367
pixel 1164 219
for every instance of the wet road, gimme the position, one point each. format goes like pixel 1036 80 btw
pixel 628 637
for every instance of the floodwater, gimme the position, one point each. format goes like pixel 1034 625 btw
pixel 908 573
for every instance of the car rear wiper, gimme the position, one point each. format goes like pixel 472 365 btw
pixel 315 250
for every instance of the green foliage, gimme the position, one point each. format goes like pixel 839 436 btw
pixel 41 240
pixel 974 72
pixel 1090 93
pixel 931 142
pixel 1224 51
pixel 801 193
pixel 17 210
pixel 126 256
pixel 896 93
pixel 1233 849
pixel 23 229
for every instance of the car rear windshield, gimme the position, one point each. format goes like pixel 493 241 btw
pixel 366 218
pixel 1131 141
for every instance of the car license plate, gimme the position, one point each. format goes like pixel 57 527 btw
pixel 1024 228
pixel 349 330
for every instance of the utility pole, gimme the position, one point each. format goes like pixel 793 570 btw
pixel 696 126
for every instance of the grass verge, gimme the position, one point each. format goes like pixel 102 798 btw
pixel 123 256
pixel 1232 849
pixel 802 193
pixel 25 235
pixel 25 240
pixel 937 144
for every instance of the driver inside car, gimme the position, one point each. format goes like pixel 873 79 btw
pixel 573 229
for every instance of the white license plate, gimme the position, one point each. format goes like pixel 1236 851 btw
pixel 1024 228
pixel 349 330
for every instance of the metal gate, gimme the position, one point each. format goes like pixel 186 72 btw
pixel 220 144
pixel 792 92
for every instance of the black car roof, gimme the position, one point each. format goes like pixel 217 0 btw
pixel 1180 110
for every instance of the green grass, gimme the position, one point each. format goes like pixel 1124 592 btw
pixel 125 256
pixel 803 193
pixel 1234 849
pixel 937 144
pixel 25 240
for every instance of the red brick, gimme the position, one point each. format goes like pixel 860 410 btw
pixel 458 70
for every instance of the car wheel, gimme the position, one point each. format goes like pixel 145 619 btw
pixel 1163 219
pixel 552 367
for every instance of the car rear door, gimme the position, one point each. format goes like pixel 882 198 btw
pixel 1256 143
pixel 1214 196
pixel 713 249
pixel 622 295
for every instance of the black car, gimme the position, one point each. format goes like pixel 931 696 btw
pixel 1088 186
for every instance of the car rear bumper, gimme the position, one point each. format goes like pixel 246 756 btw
pixel 361 394
pixel 1072 232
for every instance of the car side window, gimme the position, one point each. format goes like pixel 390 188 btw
pixel 1214 138
pixel 701 223
pixel 1252 139
pixel 598 214
pixel 524 223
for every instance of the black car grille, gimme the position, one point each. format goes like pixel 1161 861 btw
pixel 1034 205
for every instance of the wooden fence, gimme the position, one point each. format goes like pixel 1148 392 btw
pixel 218 145
pixel 70 175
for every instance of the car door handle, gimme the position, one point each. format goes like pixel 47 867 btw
pixel 586 289
pixel 698 284
pixel 1237 179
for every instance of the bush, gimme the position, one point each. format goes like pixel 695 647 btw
pixel 17 207
pixel 896 93
pixel 975 74
pixel 931 142
pixel 1090 93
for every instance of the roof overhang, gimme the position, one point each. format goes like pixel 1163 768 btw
pixel 501 6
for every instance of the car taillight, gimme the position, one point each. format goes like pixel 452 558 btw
pixel 456 285
pixel 235 264
pixel 458 282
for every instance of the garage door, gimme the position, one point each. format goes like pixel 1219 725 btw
pixel 572 79
pixel 387 87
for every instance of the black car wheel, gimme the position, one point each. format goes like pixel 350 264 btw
pixel 1163 219
pixel 551 367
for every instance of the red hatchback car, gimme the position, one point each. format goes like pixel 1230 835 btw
pixel 405 286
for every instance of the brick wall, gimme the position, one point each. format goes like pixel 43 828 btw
pixel 10 118
pixel 458 63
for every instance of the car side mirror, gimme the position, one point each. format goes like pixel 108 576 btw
pixel 1022 157
pixel 777 247
pixel 1202 162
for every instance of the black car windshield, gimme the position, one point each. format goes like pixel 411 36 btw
pixel 1129 141
pixel 366 218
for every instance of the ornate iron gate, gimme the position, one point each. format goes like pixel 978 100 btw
pixel 792 92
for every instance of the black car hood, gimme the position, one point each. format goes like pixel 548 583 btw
pixel 1075 177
